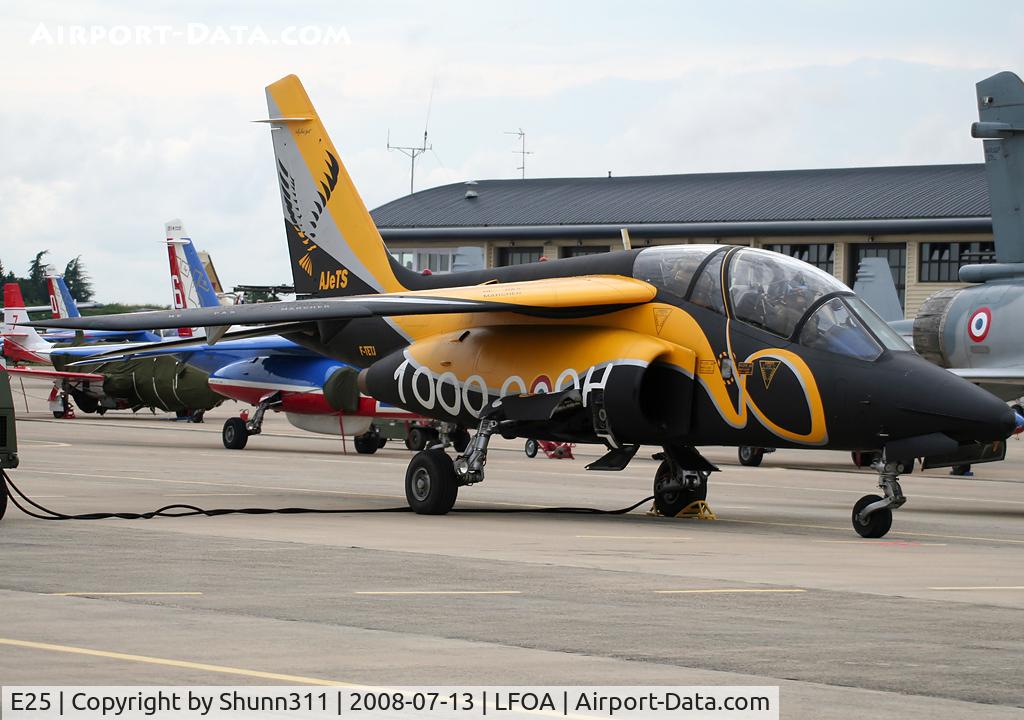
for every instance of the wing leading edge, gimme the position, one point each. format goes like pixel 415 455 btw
pixel 553 297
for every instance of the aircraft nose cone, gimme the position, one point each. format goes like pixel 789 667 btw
pixel 941 402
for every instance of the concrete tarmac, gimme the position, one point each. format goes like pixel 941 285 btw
pixel 926 622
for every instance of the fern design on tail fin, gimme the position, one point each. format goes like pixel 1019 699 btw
pixel 306 228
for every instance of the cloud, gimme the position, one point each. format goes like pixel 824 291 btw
pixel 102 144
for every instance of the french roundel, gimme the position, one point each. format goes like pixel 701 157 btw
pixel 979 324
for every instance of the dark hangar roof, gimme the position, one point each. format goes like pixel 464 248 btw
pixel 949 197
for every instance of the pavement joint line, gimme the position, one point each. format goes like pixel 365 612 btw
pixel 184 664
pixel 891 532
pixel 981 587
pixel 858 492
pixel 214 483
pixel 83 593
pixel 437 592
pixel 710 591
pixel 494 502
pixel 869 543
pixel 633 537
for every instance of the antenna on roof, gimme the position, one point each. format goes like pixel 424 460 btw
pixel 414 152
pixel 522 151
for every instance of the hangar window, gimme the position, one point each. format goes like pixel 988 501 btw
pixel 820 255
pixel 519 255
pixel 941 262
pixel 672 267
pixel 834 328
pixel 581 250
pixel 773 292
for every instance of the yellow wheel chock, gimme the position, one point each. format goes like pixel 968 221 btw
pixel 697 510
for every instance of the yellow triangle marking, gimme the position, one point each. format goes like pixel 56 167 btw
pixel 768 369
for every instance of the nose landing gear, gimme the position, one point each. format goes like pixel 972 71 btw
pixel 872 515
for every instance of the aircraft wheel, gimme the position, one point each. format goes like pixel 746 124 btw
pixel 101 411
pixel 878 522
pixel 672 502
pixel 460 439
pixel 368 443
pixel 416 440
pixel 235 434
pixel 751 456
pixel 58 414
pixel 531 448
pixel 196 416
pixel 431 485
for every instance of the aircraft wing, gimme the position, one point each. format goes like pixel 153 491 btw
pixel 52 374
pixel 552 297
pixel 992 376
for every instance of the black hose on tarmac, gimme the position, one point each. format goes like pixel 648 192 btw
pixel 33 509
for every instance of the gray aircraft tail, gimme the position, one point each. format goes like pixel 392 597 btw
pixel 1001 125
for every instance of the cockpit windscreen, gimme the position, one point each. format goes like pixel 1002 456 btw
pixel 773 291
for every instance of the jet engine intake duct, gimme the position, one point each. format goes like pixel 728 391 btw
pixel 645 401
pixel 930 327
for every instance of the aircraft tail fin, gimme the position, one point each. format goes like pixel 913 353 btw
pixel 20 342
pixel 62 304
pixel 334 246
pixel 190 285
pixel 1001 125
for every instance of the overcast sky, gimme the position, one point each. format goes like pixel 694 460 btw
pixel 102 142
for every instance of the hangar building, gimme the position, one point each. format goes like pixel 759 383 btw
pixel 925 220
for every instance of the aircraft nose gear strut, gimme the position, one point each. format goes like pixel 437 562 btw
pixel 469 465
pixel 236 430
pixel 872 515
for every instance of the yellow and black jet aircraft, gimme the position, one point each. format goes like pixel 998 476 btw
pixel 675 346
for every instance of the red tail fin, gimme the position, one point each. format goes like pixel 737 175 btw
pixel 12 296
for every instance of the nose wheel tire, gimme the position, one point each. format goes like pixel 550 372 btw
pixel 431 485
pixel 531 448
pixel 750 456
pixel 670 498
pixel 876 524
pixel 369 442
pixel 235 434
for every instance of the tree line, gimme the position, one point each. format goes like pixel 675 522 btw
pixel 33 285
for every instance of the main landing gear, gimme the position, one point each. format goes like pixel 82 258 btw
pixel 237 430
pixel 872 515
pixel 675 486
pixel 432 479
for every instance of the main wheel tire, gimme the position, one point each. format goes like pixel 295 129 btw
pixel 416 440
pixel 431 485
pixel 368 443
pixel 235 434
pixel 751 456
pixel 671 503
pixel 531 448
pixel 877 523
pixel 197 416
pixel 460 439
